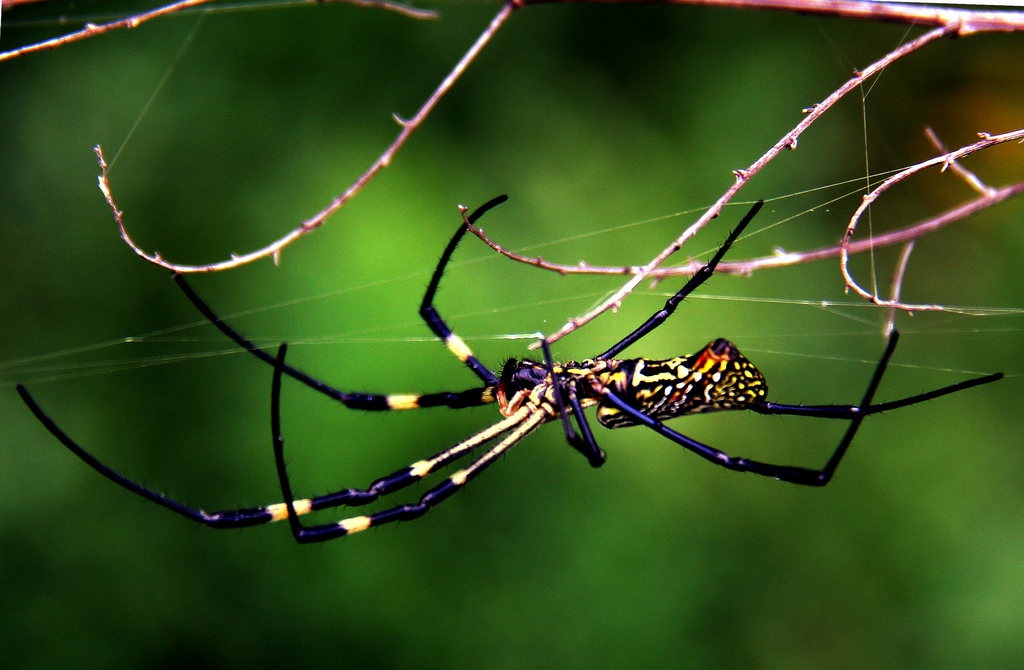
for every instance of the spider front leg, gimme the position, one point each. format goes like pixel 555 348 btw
pixel 369 401
pixel 793 474
pixel 521 424
pixel 254 516
pixel 365 401
pixel 695 281
pixel 455 344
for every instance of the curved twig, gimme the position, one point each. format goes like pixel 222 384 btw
pixel 273 249
pixel 944 161
pixel 781 259
pixel 788 141
pixel 958 21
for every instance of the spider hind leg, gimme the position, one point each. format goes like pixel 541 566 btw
pixel 855 414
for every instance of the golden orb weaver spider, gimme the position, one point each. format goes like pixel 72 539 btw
pixel 626 392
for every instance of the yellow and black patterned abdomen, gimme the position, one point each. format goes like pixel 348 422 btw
pixel 716 378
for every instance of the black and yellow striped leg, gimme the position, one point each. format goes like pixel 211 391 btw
pixel 798 475
pixel 695 281
pixel 228 519
pixel 365 401
pixel 431 498
pixel 254 516
pixel 455 344
pixel 586 444
pixel 522 424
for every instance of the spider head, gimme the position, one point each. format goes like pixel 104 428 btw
pixel 518 379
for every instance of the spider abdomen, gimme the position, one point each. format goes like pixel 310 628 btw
pixel 716 378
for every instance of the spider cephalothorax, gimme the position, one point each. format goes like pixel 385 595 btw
pixel 627 392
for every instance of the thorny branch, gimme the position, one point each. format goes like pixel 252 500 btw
pixel 951 21
pixel 747 267
pixel 944 161
pixel 274 249
pixel 135 20
pixel 93 29
pixel 946 21
pixel 788 141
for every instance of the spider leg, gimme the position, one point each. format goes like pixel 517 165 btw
pixel 254 516
pixel 586 444
pixel 793 474
pixel 594 453
pixel 364 401
pixel 429 313
pixel 234 519
pixel 524 422
pixel 695 281
pixel 851 411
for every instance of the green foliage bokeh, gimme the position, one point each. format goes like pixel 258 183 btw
pixel 590 118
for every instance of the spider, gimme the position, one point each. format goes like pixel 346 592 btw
pixel 625 391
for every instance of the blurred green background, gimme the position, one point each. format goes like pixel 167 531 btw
pixel 592 119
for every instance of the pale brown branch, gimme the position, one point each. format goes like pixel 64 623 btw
pixel 949 21
pixel 944 161
pixel 788 141
pixel 93 29
pixel 11 3
pixel 783 259
pixel 969 177
pixel 897 286
pixel 387 5
pixel 968 20
pixel 273 249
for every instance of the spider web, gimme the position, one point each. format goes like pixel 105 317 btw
pixel 806 206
